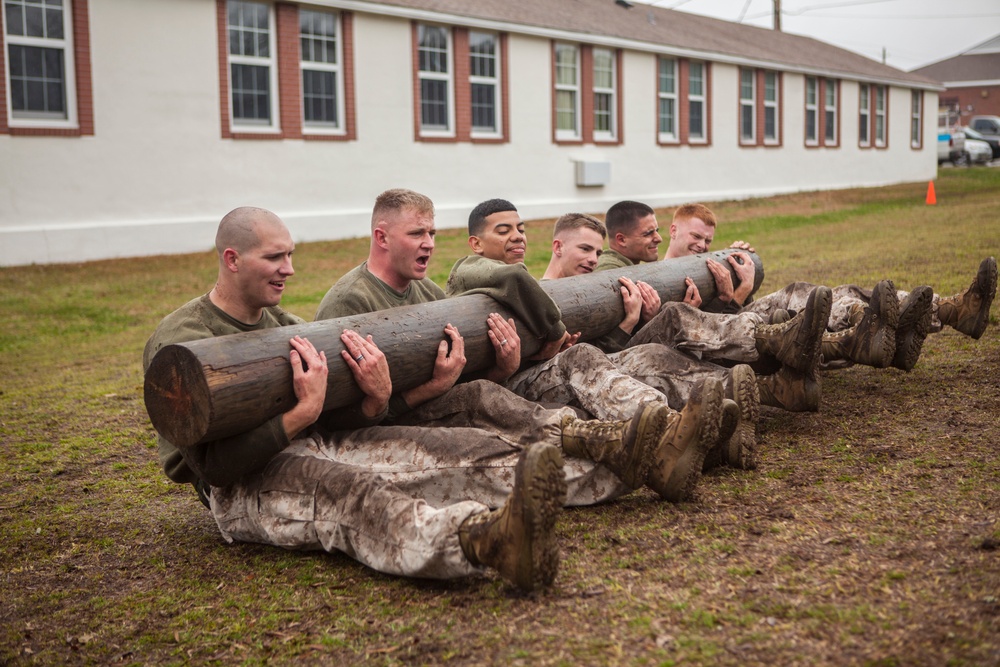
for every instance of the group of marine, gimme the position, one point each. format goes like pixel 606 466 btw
pixel 470 471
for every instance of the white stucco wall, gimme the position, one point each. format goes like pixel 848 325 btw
pixel 157 176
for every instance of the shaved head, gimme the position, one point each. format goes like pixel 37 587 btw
pixel 238 229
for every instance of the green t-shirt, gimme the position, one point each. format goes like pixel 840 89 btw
pixel 612 259
pixel 359 291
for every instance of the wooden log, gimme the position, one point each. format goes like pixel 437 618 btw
pixel 217 387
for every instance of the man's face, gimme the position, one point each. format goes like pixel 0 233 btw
pixel 502 238
pixel 263 270
pixel 409 237
pixel 577 251
pixel 689 236
pixel 640 244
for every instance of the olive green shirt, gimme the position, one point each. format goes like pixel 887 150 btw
pixel 359 291
pixel 612 259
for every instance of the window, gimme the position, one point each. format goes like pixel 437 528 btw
pixel 830 112
pixel 748 103
pixel 567 92
pixel 864 114
pixel 916 118
pixel 881 129
pixel 434 67
pixel 605 104
pixel 322 81
pixel 667 100
pixel 46 88
pixel 772 108
pixel 285 72
pixel 812 111
pixel 696 102
pixel 484 79
pixel 252 72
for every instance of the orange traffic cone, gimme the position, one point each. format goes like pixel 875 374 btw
pixel 931 197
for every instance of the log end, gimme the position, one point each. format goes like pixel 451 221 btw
pixel 177 396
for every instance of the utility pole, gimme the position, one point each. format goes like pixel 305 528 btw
pixel 777 15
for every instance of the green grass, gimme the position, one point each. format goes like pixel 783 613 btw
pixel 863 537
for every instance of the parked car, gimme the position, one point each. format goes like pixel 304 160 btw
pixel 988 125
pixel 951 140
pixel 993 141
pixel 977 152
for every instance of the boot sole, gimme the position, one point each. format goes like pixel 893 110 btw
pixel 886 309
pixel 653 423
pixel 542 499
pixel 810 336
pixel 743 444
pixel 986 280
pixel 708 396
pixel 914 325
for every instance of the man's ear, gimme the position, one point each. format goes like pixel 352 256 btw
pixel 229 259
pixel 557 247
pixel 477 245
pixel 673 230
pixel 380 237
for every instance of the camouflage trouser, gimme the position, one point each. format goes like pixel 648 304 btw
pixel 486 405
pixel 667 370
pixel 584 377
pixel 845 299
pixel 702 335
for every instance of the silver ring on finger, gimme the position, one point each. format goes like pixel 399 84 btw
pixel 359 358
pixel 503 342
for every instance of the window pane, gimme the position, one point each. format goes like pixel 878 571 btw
pixel 34 20
pixel 746 121
pixel 318 32
pixel 810 91
pixel 667 116
pixel 604 76
pixel 602 112
pixel 668 77
pixel 695 126
pixel 482 54
pixel 770 87
pixel 484 107
pixel 830 128
pixel 54 23
pixel 15 19
pixel 863 128
pixel 319 95
pixel 565 65
pixel 695 79
pixel 770 123
pixel 811 124
pixel 37 81
pixel 434 104
pixel 433 49
pixel 566 110
pixel 746 84
pixel 251 93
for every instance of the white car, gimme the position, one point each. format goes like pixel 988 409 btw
pixel 979 152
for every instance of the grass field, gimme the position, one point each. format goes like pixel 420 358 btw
pixel 868 535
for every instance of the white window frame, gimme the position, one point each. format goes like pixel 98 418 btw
pixel 699 99
pixel 491 81
pixel 28 119
pixel 748 104
pixel 573 134
pixel 881 119
pixel 864 115
pixel 314 127
pixel 916 118
pixel 773 106
pixel 812 104
pixel 830 113
pixel 271 62
pixel 611 95
pixel 671 135
pixel 448 130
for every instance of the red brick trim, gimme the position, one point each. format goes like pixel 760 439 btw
pixel 289 54
pixel 223 51
pixel 460 82
pixel 586 93
pixel 80 19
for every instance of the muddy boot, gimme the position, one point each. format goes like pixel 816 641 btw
pixel 914 325
pixel 739 450
pixel 780 316
pixel 626 448
pixel 790 390
pixel 518 540
pixel 796 343
pixel 729 421
pixel 691 434
pixel 872 340
pixel 969 312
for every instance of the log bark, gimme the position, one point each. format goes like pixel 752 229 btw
pixel 217 387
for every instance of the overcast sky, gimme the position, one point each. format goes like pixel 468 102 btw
pixel 913 32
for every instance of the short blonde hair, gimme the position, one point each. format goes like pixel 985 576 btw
pixel 572 221
pixel 700 211
pixel 399 199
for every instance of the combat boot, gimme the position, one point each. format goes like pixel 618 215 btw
pixel 796 343
pixel 871 341
pixel 626 448
pixel 790 390
pixel 739 449
pixel 729 421
pixel 914 325
pixel 969 311
pixel 692 432
pixel 518 540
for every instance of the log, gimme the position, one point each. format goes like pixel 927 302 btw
pixel 217 387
